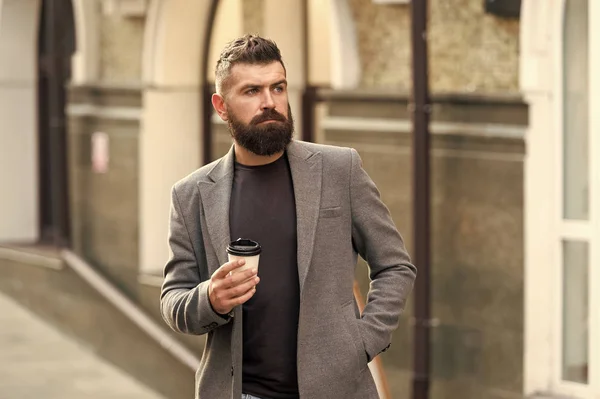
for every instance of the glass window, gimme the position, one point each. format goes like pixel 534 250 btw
pixel 575 312
pixel 575 129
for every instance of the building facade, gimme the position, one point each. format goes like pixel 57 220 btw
pixel 515 152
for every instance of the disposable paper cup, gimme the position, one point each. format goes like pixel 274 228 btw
pixel 246 249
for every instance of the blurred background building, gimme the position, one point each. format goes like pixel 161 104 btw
pixel 103 106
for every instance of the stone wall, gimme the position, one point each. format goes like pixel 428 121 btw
pixel 476 232
pixel 104 206
pixel 469 50
pixel 121 44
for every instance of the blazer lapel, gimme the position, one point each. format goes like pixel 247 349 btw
pixel 216 193
pixel 306 168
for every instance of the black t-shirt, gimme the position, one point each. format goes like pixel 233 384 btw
pixel 263 209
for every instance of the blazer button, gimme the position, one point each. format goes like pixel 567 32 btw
pixel 232 371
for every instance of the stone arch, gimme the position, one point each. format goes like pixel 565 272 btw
pixel 86 60
pixel 173 42
pixel 345 61
pixel 170 144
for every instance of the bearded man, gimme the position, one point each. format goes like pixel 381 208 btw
pixel 313 209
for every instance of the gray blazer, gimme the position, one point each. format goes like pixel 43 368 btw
pixel 339 215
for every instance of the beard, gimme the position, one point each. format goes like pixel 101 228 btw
pixel 263 140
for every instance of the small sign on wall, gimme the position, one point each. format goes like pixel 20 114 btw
pixel 100 152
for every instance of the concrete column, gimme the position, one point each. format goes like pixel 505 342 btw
pixel 170 148
pixel 594 349
pixel 170 144
pixel 18 120
pixel 540 24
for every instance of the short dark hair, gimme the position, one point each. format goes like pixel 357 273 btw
pixel 248 49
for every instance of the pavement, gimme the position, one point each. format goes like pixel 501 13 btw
pixel 37 361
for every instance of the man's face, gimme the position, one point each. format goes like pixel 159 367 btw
pixel 257 109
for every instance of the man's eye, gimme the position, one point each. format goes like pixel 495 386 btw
pixel 252 91
pixel 279 89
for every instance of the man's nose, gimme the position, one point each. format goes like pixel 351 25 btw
pixel 267 101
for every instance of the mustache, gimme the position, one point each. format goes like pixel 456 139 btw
pixel 268 115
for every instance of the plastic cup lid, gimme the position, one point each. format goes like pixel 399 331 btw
pixel 243 247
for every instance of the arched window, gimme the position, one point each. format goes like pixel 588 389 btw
pixel 576 111
pixel 575 231
pixel 561 51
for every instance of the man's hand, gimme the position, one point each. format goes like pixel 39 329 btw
pixel 227 290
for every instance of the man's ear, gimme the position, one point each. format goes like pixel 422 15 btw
pixel 218 103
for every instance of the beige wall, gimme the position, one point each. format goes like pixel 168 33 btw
pixel 469 51
pixel 121 42
pixel 253 16
pixel 319 40
pixel 227 27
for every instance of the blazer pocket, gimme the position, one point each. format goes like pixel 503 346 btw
pixel 352 325
pixel 332 212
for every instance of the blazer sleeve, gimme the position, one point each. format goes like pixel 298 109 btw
pixel 184 301
pixel 392 274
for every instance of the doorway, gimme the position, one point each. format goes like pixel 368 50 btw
pixel 56 46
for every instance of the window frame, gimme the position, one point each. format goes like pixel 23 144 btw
pixel 542 85
pixel 576 230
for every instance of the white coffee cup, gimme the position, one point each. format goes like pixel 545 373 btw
pixel 245 249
